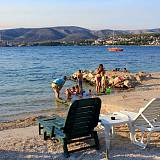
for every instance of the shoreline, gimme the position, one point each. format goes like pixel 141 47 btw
pixel 116 102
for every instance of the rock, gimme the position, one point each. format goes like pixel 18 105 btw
pixel 138 78
pixel 129 84
pixel 85 75
pixel 90 76
pixel 115 79
pixel 111 81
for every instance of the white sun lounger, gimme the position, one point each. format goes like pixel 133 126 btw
pixel 147 120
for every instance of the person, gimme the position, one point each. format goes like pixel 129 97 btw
pixel 89 92
pixel 68 94
pixel 125 70
pixel 77 90
pixel 80 80
pixel 73 90
pixel 103 81
pixel 57 85
pixel 98 78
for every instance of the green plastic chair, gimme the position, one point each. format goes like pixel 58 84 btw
pixel 82 118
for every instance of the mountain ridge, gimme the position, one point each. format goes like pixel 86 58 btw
pixel 63 33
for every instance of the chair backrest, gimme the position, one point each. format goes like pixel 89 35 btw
pixel 83 117
pixel 149 116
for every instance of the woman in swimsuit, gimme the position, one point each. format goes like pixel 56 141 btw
pixel 99 77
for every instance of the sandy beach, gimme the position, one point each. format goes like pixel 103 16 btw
pixel 20 140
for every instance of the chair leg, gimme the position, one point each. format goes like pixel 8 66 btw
pixel 107 154
pixel 95 136
pixel 142 136
pixel 45 135
pixel 65 149
pixel 148 138
pixel 147 141
pixel 132 132
pixel 52 134
pixel 141 142
pixel 40 128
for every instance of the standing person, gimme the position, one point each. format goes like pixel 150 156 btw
pixel 80 80
pixel 57 85
pixel 103 81
pixel 98 77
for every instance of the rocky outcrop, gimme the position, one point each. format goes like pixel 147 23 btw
pixel 117 79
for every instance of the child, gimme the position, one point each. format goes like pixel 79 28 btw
pixel 90 92
pixel 77 89
pixel 73 90
pixel 68 94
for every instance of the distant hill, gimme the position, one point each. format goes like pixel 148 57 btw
pixel 62 33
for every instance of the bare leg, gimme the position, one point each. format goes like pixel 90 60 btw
pixel 56 91
pixel 97 88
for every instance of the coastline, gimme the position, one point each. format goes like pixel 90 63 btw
pixel 25 142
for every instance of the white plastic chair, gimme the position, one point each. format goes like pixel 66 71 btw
pixel 147 120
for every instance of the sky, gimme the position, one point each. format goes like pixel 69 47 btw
pixel 91 14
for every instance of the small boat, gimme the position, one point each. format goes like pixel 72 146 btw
pixel 115 49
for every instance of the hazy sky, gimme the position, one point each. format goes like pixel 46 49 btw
pixel 92 14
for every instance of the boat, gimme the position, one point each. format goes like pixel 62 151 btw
pixel 114 49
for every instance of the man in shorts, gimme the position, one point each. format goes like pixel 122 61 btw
pixel 57 85
pixel 80 80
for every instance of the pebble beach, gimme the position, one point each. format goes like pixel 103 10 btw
pixel 20 140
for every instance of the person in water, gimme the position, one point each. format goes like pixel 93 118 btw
pixel 57 85
pixel 73 90
pixel 68 94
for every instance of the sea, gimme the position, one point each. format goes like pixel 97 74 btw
pixel 26 73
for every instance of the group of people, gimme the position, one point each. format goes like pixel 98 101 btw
pixel 75 90
pixel 101 79
pixel 57 85
pixel 121 70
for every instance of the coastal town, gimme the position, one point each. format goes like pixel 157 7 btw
pixel 137 39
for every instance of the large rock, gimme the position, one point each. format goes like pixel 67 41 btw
pixel 140 76
pixel 115 79
pixel 129 84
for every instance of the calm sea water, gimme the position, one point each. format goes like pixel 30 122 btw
pixel 26 72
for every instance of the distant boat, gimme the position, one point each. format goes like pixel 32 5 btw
pixel 114 49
